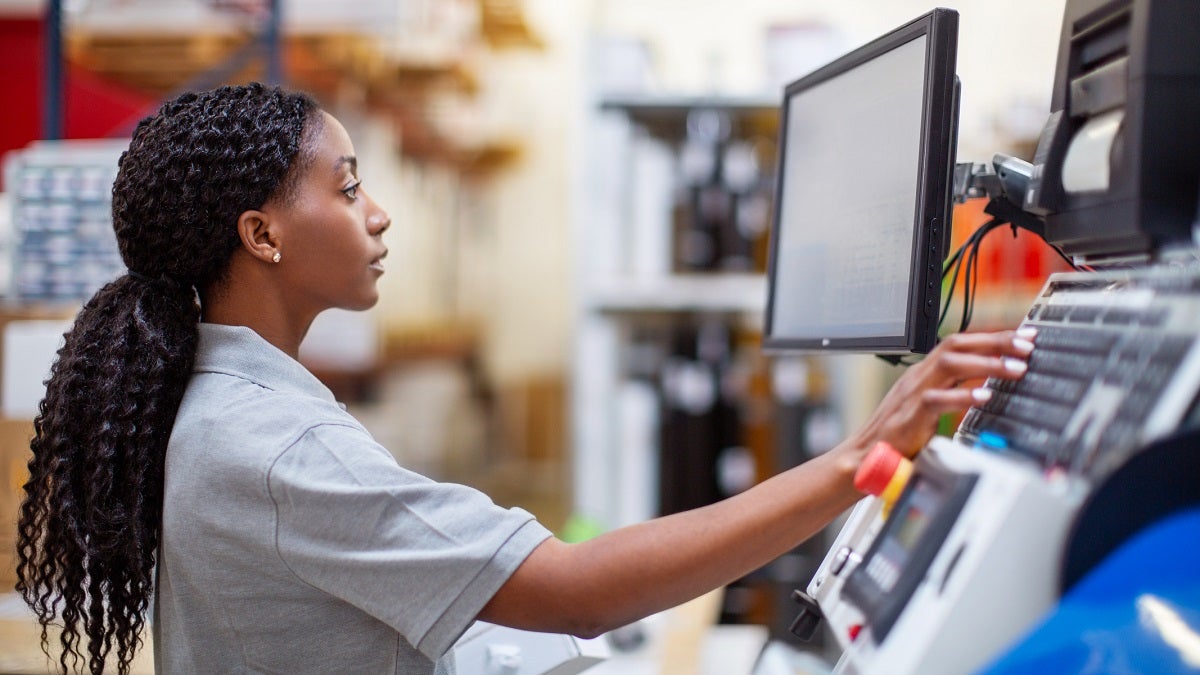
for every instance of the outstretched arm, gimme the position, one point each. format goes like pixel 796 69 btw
pixel 589 588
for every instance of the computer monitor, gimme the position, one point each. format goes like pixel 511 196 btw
pixel 862 204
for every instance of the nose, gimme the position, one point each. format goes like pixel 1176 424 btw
pixel 378 221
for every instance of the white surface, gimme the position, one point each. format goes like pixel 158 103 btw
pixel 779 658
pixel 724 650
pixel 30 348
pixel 651 189
pixel 637 444
pixel 488 649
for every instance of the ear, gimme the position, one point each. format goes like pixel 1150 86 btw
pixel 258 235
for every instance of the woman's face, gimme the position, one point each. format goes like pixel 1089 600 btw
pixel 331 248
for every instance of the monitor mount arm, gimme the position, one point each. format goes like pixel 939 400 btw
pixel 1006 183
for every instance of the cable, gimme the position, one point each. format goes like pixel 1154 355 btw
pixel 972 285
pixel 965 260
pixel 968 253
pixel 971 273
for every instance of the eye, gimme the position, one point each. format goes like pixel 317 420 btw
pixel 351 191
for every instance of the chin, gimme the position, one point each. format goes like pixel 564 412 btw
pixel 358 299
pixel 362 305
pixel 371 301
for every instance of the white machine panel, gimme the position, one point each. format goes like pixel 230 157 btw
pixel 994 573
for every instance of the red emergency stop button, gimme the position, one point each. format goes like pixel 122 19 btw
pixel 884 472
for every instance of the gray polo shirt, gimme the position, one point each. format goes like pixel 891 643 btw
pixel 294 543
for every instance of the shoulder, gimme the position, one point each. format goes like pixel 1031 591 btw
pixel 336 450
pixel 242 421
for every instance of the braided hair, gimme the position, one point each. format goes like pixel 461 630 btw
pixel 90 520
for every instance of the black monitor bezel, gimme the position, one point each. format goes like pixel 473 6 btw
pixel 932 214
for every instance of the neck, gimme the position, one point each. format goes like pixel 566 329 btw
pixel 248 297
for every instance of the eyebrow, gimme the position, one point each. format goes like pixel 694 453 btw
pixel 347 159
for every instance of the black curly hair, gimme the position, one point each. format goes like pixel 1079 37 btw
pixel 90 520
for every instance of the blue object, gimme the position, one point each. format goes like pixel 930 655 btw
pixel 1136 612
pixel 991 439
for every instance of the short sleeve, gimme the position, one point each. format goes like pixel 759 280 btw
pixel 422 556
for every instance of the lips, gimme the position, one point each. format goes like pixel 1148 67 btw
pixel 377 264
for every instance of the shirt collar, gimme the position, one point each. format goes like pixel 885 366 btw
pixel 240 352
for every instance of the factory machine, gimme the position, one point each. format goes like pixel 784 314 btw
pixel 961 551
pixel 993 524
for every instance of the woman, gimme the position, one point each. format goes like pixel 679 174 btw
pixel 182 450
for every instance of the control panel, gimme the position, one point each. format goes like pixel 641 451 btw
pixel 941 571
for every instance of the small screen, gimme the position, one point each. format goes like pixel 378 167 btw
pixel 863 198
pixel 911 522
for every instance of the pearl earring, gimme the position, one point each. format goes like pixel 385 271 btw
pixel 275 258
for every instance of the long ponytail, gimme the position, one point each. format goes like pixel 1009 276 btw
pixel 89 525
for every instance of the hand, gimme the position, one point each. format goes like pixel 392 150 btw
pixel 908 415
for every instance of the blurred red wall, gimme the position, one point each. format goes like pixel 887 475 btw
pixel 94 108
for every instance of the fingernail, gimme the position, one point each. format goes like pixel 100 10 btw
pixel 1027 332
pixel 1022 345
pixel 1015 365
pixel 981 395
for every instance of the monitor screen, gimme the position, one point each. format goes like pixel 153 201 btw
pixel 862 204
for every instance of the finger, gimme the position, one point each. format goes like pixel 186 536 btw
pixel 941 401
pixel 955 367
pixel 1018 343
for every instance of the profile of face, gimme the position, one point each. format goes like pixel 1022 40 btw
pixel 328 232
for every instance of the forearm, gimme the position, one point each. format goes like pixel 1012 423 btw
pixel 645 568
pixel 686 554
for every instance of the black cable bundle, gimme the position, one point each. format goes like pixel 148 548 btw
pixel 1003 213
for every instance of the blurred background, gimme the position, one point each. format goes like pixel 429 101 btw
pixel 581 193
